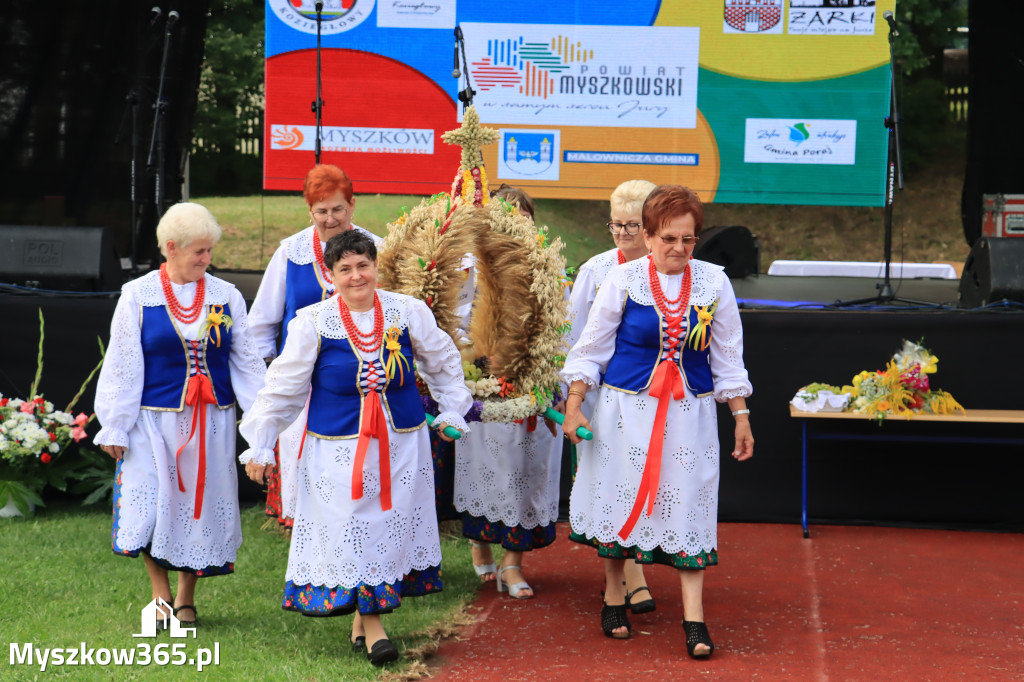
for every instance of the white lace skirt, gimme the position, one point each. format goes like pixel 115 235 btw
pixel 151 510
pixel 340 541
pixel 685 514
pixel 507 474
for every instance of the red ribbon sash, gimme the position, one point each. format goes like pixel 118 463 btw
pixel 373 425
pixel 667 384
pixel 198 395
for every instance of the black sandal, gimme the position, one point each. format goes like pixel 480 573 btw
pixel 613 617
pixel 697 633
pixel 638 607
pixel 195 619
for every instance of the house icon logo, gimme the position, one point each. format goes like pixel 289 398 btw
pixel 169 620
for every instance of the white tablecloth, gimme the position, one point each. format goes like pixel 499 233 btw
pixel 816 268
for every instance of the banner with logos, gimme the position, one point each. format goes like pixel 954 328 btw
pixel 746 101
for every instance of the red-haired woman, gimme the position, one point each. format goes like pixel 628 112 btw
pixel 662 343
pixel 295 278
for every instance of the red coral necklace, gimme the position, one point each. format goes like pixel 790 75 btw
pixel 367 343
pixel 669 307
pixel 318 252
pixel 622 258
pixel 182 314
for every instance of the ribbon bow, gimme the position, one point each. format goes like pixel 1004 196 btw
pixel 374 425
pixel 395 356
pixel 700 335
pixel 198 395
pixel 667 384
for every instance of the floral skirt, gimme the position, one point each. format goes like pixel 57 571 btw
pixel 682 560
pixel 514 538
pixel 324 601
pixel 274 507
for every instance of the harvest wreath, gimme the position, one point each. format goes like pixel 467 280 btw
pixel 514 344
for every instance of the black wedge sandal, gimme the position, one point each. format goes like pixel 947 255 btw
pixel 613 617
pixel 697 633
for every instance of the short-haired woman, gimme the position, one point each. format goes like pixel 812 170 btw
pixel 180 357
pixel 365 532
pixel 663 342
pixel 297 276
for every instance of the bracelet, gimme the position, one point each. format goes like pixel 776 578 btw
pixel 581 394
pixel 739 412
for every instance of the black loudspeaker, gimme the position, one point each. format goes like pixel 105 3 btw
pixel 59 258
pixel 731 246
pixel 994 270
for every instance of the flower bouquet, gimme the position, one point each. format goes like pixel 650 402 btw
pixel 902 389
pixel 33 435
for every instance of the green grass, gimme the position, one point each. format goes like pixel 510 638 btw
pixel 61 585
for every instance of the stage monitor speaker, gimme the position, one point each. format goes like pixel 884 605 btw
pixel 59 258
pixel 994 270
pixel 731 246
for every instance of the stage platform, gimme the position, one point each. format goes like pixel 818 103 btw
pixel 793 336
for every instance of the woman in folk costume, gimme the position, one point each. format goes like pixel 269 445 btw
pixel 365 532
pixel 506 481
pixel 663 342
pixel 627 200
pixel 296 277
pixel 180 357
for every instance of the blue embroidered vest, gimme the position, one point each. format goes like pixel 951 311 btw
pixel 166 359
pixel 336 399
pixel 638 349
pixel 302 287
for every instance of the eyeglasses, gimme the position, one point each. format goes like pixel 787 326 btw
pixel 628 228
pixel 688 240
pixel 337 212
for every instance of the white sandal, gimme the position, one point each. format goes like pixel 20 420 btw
pixel 484 569
pixel 514 590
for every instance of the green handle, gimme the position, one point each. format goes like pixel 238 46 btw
pixel 449 431
pixel 557 416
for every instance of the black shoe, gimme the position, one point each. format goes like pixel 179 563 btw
pixel 195 614
pixel 613 617
pixel 697 633
pixel 383 651
pixel 638 607
pixel 359 645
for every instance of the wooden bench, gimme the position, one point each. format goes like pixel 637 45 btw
pixel 968 416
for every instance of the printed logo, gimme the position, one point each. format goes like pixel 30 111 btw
pixel 831 17
pixel 283 137
pixel 337 16
pixel 353 139
pixel 530 154
pixel 798 133
pixel 816 141
pixel 753 16
pixel 551 75
pixel 170 621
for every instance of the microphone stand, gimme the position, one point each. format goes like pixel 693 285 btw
pixel 894 178
pixel 132 107
pixel 318 105
pixel 465 95
pixel 156 141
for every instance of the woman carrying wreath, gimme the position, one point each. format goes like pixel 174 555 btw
pixel 180 357
pixel 625 225
pixel 296 277
pixel 663 342
pixel 365 532
pixel 506 481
